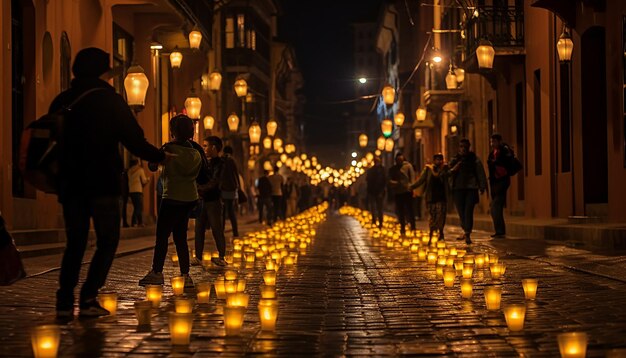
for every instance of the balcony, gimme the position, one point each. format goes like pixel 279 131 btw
pixel 503 26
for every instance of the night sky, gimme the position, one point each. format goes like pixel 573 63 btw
pixel 321 34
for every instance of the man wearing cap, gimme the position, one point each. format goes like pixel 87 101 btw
pixel 90 168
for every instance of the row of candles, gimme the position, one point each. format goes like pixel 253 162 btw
pixel 275 247
pixel 450 262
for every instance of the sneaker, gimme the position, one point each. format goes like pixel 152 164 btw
pixel 152 278
pixel 467 239
pixel 195 262
pixel 92 308
pixel 219 261
pixel 188 281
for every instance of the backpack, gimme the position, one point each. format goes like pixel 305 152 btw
pixel 39 148
pixel 515 166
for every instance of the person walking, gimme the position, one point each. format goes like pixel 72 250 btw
pixel 401 175
pixel 180 197
pixel 211 207
pixel 376 180
pixel 90 168
pixel 499 162
pixel 137 180
pixel 277 195
pixel 467 176
pixel 434 178
pixel 290 191
pixel 264 203
pixel 229 186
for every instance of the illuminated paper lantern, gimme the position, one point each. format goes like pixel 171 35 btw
pixel 530 288
pixel 108 301
pixel 154 294
pixel 45 341
pixel 178 285
pixel 180 328
pixel 514 315
pixel 268 313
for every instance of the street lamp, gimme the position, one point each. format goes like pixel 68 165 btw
pixel 193 104
pixel 136 85
pixel 362 80
pixel 271 127
pixel 398 119
pixel 389 144
pixel 195 38
pixel 389 94
pixel 255 133
pixel 176 58
pixel 241 87
pixel 267 143
pixel 485 54
pixel 418 133
pixel 386 126
pixel 451 79
pixel 290 148
pixel 460 74
pixel 380 143
pixel 233 122
pixel 215 80
pixel 209 122
pixel 420 114
pixel 363 140
pixel 436 56
pixel 278 143
pixel 565 46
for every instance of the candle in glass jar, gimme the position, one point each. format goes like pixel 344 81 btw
pixel 466 288
pixel 108 301
pixel 203 292
pixel 45 341
pixel 268 313
pixel 233 319
pixel 493 295
pixel 530 288
pixel 183 305
pixel 180 328
pixel 573 344
pixel 143 311
pixel 514 316
pixel 153 294
pixel 269 277
pixel 178 285
pixel 449 274
pixel 267 291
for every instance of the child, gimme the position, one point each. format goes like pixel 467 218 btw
pixel 180 196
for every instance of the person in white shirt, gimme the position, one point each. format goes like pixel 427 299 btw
pixel 137 180
pixel 277 194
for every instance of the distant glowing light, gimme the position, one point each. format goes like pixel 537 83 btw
pixel 353 163
pixel 362 80
pixel 354 154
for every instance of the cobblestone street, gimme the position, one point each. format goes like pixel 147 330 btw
pixel 349 295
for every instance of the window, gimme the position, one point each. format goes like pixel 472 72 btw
pixel 230 32
pixel 241 31
pixel 537 121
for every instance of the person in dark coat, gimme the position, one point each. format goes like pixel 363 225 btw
pixel 434 178
pixel 90 168
pixel 376 179
pixel 498 162
pixel 264 188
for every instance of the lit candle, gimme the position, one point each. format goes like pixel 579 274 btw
pixel 174 258
pixel 269 277
pixel 479 260
pixel 203 292
pixel 233 319
pixel 493 295
pixel 267 291
pixel 288 260
pixel 573 344
pixel 421 254
pixel 514 315
pixel 220 288
pixel 466 288
pixel 432 258
pixel 153 294
pixel 241 285
pixel 230 286
pixel 178 285
pixel 270 265
pixel 45 341
pixel 143 311
pixel 183 305
pixel 268 313
pixel 180 327
pixel 449 274
pixel 250 257
pixel 439 271
pixel 230 275
pixel 238 299
pixel 468 270
pixel 530 288
pixel 453 251
pixel 108 301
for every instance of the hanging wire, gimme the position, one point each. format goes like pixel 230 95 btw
pixel 430 36
pixel 408 12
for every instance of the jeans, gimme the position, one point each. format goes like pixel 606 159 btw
pixel 465 200
pixel 230 213
pixel 496 207
pixel 210 217
pixel 173 219
pixel 77 212
pixel 265 207
pixel 137 200
pixel 376 207
pixel 404 210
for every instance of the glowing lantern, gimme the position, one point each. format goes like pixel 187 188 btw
pixel 268 313
pixel 176 58
pixel 389 95
pixel 380 143
pixel 215 80
pixel 237 299
pixel 460 74
pixel 267 291
pixel 269 277
pixel 193 104
pixel 573 344
pixel 420 114
pixel 530 288
pixel 241 87
pixel 398 119
pixel 195 38
pixel 203 292
pixel 143 311
pixel 108 301
pixel 267 143
pixel 485 54
pixel 209 122
pixel 363 140
pixel 233 122
pixel 153 294
pixel 418 133
pixel 233 319
pixel 493 296
pixel 45 341
pixel 449 274
pixel 255 133
pixel 183 305
pixel 136 86
pixel 514 315
pixel 389 144
pixel 290 148
pixel 271 126
pixel 267 165
pixel 466 288
pixel 278 143
pixel 180 328
pixel 565 46
pixel 178 285
pixel 468 270
pixel 451 80
pixel 386 126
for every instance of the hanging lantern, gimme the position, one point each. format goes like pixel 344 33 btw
pixel 255 133
pixel 267 142
pixel 389 144
pixel 451 80
pixel 485 54
pixel 195 38
pixel 398 119
pixel 267 165
pixel 271 127
pixel 193 104
pixel 436 55
pixel 565 46
pixel 278 143
pixel 251 164
pixel 209 122
pixel 420 114
pixel 176 58
pixel 389 95
pixel 233 122
pixel 290 148
pixel 380 143
pixel 136 86
pixel 418 133
pixel 241 87
pixel 460 75
pixel 386 126
pixel 363 140
pixel 215 80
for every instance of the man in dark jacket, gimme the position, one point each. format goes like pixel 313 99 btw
pixel 401 175
pixel 229 187
pixel 499 160
pixel 90 168
pixel 264 203
pixel 468 179
pixel 376 179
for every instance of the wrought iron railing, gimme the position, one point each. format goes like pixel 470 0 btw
pixel 502 25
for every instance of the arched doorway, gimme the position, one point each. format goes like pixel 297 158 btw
pixel 594 120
